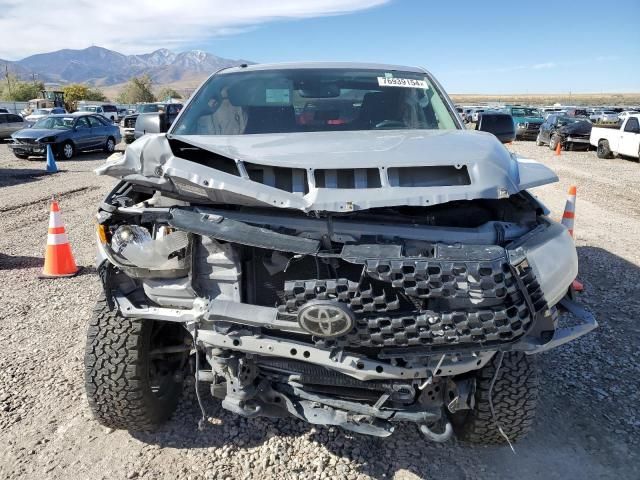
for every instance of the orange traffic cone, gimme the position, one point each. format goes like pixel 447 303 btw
pixel 558 148
pixel 568 219
pixel 569 214
pixel 58 259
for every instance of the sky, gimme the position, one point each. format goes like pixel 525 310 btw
pixel 470 46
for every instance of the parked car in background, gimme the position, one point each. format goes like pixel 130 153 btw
pixel 622 140
pixel 577 112
pixel 467 115
pixel 527 121
pixel 622 116
pixel 108 111
pixel 4 110
pixel 10 123
pixel 475 114
pixel 604 116
pixel 67 135
pixel 43 112
pixel 568 131
pixel 122 112
pixel 129 122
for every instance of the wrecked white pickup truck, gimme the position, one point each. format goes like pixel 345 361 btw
pixel 327 241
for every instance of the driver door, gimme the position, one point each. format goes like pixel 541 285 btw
pixel 545 129
pixel 82 134
pixel 630 137
pixel 98 132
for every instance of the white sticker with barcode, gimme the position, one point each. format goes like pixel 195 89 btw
pixel 402 82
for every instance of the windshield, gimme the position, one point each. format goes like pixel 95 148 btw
pixel 525 112
pixel 58 123
pixel 314 100
pixel 147 108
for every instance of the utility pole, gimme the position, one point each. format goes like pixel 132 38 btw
pixel 6 74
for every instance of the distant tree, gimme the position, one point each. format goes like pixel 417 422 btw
pixel 166 93
pixel 15 90
pixel 78 91
pixel 137 90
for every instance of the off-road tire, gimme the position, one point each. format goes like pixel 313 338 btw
pixel 514 395
pixel 604 151
pixel 21 157
pixel 117 373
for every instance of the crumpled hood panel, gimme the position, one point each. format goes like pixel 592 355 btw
pixel 492 170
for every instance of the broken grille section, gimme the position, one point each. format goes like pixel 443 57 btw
pixel 383 320
pixel 437 279
pixel 362 298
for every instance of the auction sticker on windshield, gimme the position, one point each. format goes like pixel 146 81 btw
pixel 402 82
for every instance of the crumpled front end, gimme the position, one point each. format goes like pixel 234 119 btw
pixel 359 319
pixel 330 171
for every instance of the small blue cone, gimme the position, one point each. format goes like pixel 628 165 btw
pixel 51 161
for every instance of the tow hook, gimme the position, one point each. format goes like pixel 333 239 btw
pixel 438 437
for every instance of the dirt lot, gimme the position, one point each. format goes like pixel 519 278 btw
pixel 588 424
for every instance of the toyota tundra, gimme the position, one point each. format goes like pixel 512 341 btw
pixel 328 242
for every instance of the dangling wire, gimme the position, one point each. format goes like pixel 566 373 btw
pixel 202 422
pixel 493 413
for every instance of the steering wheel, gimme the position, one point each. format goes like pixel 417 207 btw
pixel 391 124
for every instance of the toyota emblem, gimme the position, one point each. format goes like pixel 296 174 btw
pixel 325 318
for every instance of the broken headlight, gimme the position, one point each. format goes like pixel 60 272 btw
pixel 136 244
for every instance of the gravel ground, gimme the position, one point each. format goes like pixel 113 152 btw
pixel 588 424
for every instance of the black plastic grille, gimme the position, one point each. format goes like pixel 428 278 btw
pixel 382 318
pixel 441 279
pixel 361 298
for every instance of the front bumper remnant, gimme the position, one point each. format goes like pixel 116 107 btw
pixel 565 334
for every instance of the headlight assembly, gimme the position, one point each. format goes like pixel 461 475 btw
pixel 553 258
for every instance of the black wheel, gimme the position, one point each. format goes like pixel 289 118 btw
pixel 128 140
pixel 514 394
pixel 538 141
pixel 21 157
pixel 553 141
pixel 110 146
pixel 603 149
pixel 66 151
pixel 130 384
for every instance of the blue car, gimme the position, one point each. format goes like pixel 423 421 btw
pixel 67 135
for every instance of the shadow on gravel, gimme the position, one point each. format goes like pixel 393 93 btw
pixel 10 262
pixel 87 270
pixel 587 425
pixel 17 176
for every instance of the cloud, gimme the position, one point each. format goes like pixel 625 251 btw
pixel 541 66
pixel 136 26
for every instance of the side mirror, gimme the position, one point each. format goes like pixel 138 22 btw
pixel 150 123
pixel 500 124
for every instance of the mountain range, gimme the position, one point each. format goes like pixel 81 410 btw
pixel 103 67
